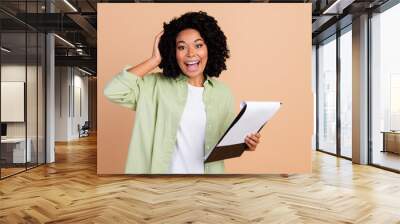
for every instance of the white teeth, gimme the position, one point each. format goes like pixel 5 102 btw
pixel 192 62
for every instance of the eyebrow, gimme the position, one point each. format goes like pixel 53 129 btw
pixel 181 41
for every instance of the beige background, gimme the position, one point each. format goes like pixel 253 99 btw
pixel 270 60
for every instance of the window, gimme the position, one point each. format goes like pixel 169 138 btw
pixel 327 95
pixel 385 88
pixel 346 93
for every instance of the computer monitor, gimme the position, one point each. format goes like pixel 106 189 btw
pixel 3 129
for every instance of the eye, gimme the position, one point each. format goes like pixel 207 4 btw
pixel 199 45
pixel 180 47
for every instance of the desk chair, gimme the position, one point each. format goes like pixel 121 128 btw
pixel 84 130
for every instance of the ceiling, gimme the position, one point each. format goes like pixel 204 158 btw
pixel 76 22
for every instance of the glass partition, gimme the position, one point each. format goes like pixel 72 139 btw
pixel 32 95
pixel 13 99
pixel 22 88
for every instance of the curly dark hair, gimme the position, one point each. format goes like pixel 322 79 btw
pixel 209 30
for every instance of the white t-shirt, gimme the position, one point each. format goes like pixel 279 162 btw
pixel 188 156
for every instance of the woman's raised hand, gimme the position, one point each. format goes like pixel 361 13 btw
pixel 156 52
pixel 148 65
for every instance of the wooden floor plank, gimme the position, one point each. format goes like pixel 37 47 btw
pixel 70 191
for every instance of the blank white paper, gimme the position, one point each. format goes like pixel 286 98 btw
pixel 256 114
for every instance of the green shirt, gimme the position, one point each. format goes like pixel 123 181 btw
pixel 159 102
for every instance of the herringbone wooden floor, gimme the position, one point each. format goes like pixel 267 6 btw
pixel 69 191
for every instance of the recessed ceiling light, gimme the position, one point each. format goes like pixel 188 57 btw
pixel 70 5
pixel 84 71
pixel 338 6
pixel 64 40
pixel 5 50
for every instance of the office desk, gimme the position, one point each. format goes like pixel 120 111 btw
pixel 13 150
pixel 391 141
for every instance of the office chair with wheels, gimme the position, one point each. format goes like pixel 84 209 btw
pixel 84 130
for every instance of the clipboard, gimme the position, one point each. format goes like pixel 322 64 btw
pixel 227 151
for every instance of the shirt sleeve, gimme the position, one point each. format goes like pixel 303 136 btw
pixel 231 113
pixel 126 88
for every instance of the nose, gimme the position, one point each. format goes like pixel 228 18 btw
pixel 191 52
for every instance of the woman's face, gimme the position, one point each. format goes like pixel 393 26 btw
pixel 191 52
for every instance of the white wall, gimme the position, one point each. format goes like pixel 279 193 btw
pixel 70 83
pixel 62 81
pixel 11 73
pixel 79 117
pixel 14 72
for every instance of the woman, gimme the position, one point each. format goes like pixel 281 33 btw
pixel 182 112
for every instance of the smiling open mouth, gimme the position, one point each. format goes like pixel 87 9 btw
pixel 192 66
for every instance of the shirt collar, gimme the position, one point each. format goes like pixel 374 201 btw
pixel 209 80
